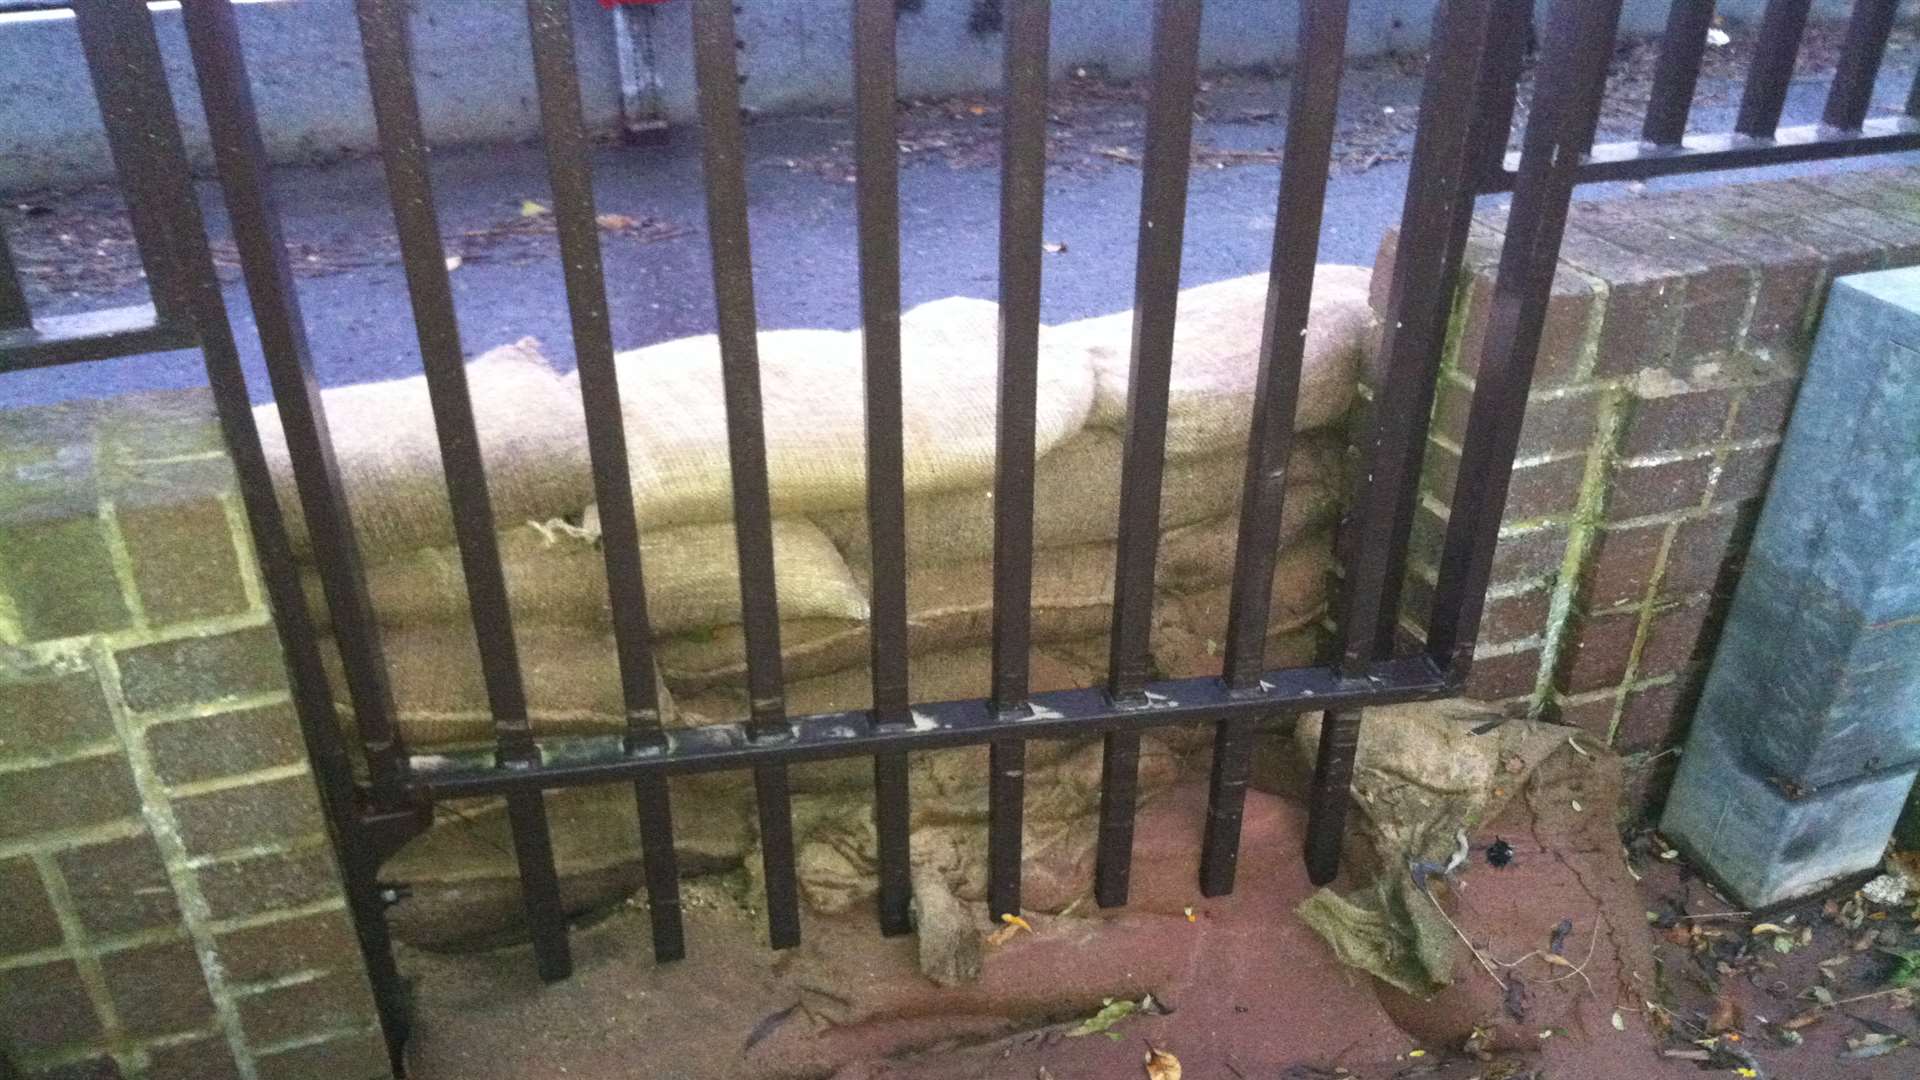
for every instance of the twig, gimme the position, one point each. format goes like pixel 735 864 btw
pixel 1715 915
pixel 1463 940
pixel 1837 1002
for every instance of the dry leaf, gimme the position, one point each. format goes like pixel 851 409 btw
pixel 1726 1016
pixel 1014 920
pixel 1014 924
pixel 1162 1065
pixel 453 263
pixel 1770 928
pixel 1619 1022
pixel 615 222
pixel 1795 1023
pixel 1054 248
pixel 531 208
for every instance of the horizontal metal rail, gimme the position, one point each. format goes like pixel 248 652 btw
pixel 1716 153
pixel 52 340
pixel 1058 714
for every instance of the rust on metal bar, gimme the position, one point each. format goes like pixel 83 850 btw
pixel 1156 292
pixel 403 153
pixel 570 173
pixel 1778 47
pixel 1023 172
pixel 1676 74
pixel 1859 68
pixel 723 153
pixel 1568 97
pixel 1311 111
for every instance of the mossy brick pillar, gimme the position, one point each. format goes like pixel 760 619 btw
pixel 1678 327
pixel 169 903
pixel 1807 737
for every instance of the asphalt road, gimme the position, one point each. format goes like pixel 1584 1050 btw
pixel 803 221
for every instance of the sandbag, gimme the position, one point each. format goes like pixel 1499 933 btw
pixel 532 438
pixel 440 700
pixel 1216 362
pixel 695 661
pixel 1076 499
pixel 815 414
pixel 556 573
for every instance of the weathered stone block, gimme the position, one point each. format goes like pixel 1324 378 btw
pixel 191 670
pixel 69 795
pixel 45 1007
pixel 201 1059
pixel 57 573
pixel 46 710
pixel 27 921
pixel 246 816
pixel 225 744
pixel 351 1057
pixel 276 950
pixel 184 561
pixel 329 1003
pixel 1763 845
pixel 119 887
pixel 269 882
pixel 158 989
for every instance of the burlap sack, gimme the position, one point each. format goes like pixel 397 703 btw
pixel 1076 499
pixel 1216 358
pixel 556 573
pixel 571 675
pixel 1302 584
pixel 532 438
pixel 695 661
pixel 958 675
pixel 815 414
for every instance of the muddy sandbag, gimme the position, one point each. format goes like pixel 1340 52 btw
pixel 464 883
pixel 1216 361
pixel 1302 584
pixel 815 414
pixel 556 573
pixel 1425 775
pixel 1076 499
pixel 532 438
pixel 959 675
pixel 571 675
pixel 696 661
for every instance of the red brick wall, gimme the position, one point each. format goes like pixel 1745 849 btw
pixel 1673 349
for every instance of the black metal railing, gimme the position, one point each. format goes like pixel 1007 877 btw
pixel 1467 111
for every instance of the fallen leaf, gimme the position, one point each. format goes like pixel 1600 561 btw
pixel 1577 808
pixel 1191 917
pixel 1054 248
pixel 1111 1012
pixel 1619 1022
pixel 1726 1016
pixel 1800 1020
pixel 1770 928
pixel 531 208
pixel 1014 920
pixel 1014 924
pixel 1162 1065
pixel 1873 1044
pixel 615 222
pixel 453 263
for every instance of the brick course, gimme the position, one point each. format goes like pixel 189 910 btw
pixel 1667 372
pixel 165 859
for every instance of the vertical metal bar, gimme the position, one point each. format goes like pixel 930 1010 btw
pixel 1859 67
pixel 1506 60
pixel 148 198
pixel 246 184
pixel 403 152
pixel 570 172
pixel 122 52
pixel 723 152
pixel 1311 113
pixel 1441 185
pixel 878 193
pixel 1569 93
pixel 1913 97
pixel 1156 294
pixel 1781 27
pixel 13 302
pixel 1023 188
pixel 1677 72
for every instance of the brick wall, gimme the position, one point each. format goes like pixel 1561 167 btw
pixel 169 903
pixel 1673 347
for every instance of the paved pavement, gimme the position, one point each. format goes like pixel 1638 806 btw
pixel 802 216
